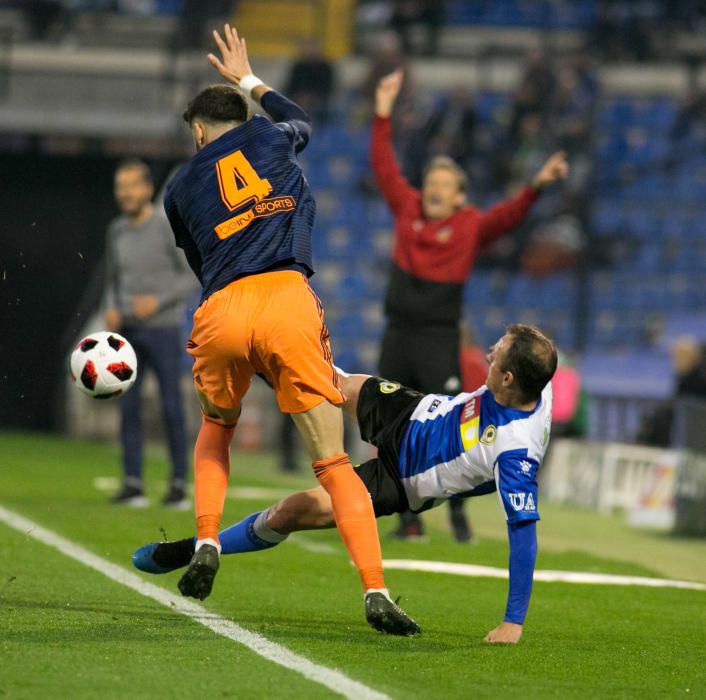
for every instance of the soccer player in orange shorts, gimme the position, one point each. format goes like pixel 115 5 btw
pixel 242 211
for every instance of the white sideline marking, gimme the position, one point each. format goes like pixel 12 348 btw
pixel 243 493
pixel 444 567
pixel 330 678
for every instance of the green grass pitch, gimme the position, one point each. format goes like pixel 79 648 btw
pixel 67 631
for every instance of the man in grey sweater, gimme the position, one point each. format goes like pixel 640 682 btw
pixel 148 281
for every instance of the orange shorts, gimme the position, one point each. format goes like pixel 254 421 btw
pixel 271 323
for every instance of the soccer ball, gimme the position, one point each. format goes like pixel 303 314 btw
pixel 103 365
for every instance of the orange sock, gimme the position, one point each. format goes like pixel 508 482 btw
pixel 211 469
pixel 355 517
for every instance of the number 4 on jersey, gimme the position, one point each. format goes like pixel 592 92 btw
pixel 238 181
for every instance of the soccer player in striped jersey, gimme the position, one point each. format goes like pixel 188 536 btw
pixel 431 448
pixel 242 211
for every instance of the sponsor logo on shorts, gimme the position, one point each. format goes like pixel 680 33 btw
pixel 434 405
pixel 266 207
pixel 389 387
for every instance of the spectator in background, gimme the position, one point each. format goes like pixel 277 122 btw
pixel 553 244
pixel 148 282
pixel 473 362
pixel 691 114
pixel 624 29
pixel 532 95
pixel 449 130
pixel 569 409
pixel 385 59
pixel 408 14
pixel 530 145
pixel 689 364
pixel 45 17
pixel 195 16
pixel 474 372
pixel 311 80
pixel 437 239
pixel 572 107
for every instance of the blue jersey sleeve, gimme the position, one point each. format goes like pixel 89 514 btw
pixel 516 479
pixel 523 552
pixel 182 236
pixel 289 117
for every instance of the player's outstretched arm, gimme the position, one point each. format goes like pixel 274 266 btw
pixel 556 168
pixel 523 552
pixel 388 88
pixel 234 65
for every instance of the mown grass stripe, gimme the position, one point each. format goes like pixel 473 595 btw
pixel 330 678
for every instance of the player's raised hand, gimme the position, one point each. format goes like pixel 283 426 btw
pixel 506 633
pixel 556 168
pixel 386 93
pixel 233 64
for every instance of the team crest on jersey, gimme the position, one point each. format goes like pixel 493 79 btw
pixel 444 234
pixel 389 387
pixel 489 435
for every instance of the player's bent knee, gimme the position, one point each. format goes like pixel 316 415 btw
pixel 307 510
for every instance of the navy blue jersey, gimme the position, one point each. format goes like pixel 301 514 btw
pixel 241 205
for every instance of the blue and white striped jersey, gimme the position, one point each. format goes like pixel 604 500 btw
pixel 469 445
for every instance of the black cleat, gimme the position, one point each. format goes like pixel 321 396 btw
pixel 197 580
pixel 163 557
pixel 411 528
pixel 410 533
pixel 386 616
pixel 130 495
pixel 176 498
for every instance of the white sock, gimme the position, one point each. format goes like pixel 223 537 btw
pixel 207 540
pixel 384 591
pixel 264 532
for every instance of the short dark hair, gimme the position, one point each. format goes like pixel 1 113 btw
pixel 218 104
pixel 447 163
pixel 531 358
pixel 136 164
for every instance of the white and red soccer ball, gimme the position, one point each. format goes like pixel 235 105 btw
pixel 103 365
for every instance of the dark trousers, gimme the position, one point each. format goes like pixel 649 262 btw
pixel 159 349
pixel 425 359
